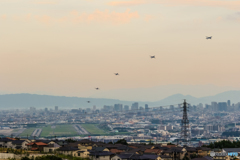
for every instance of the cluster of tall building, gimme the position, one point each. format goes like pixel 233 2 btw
pixel 165 127
pixel 220 106
pixel 211 127
pixel 216 106
pixel 33 109
pixel 120 107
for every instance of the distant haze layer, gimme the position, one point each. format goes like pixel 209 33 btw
pixel 160 92
pixel 24 101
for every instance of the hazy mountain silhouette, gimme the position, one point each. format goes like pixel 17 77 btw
pixel 40 101
pixel 156 93
pixel 34 100
pixel 234 96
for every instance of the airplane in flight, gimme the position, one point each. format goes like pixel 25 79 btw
pixel 208 37
pixel 152 56
pixel 88 101
pixel 116 74
pixel 97 88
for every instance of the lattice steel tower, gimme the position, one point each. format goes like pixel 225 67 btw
pixel 185 131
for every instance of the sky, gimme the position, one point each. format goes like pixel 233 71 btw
pixel 69 47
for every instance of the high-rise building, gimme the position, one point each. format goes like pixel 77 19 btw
pixel 126 107
pixel 146 107
pixel 56 108
pixel 134 106
pixel 229 103
pixel 218 128
pixel 94 108
pixel 194 107
pixel 214 106
pixel 46 109
pixel 161 108
pixel 200 106
pixel 88 110
pixel 169 127
pixel 208 107
pixel 162 127
pixel 171 107
pixel 208 127
pixel 118 107
pixel 32 109
pixel 222 106
pixel 107 108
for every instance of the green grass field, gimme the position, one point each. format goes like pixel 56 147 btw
pixel 27 132
pixel 58 130
pixel 48 131
pixel 92 129
pixel 63 130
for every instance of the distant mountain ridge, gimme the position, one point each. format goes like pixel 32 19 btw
pixel 233 96
pixel 22 101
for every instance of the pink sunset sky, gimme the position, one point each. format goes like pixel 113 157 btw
pixel 69 47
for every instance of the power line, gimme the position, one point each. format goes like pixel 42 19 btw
pixel 185 131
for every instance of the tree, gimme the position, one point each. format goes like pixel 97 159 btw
pixel 193 156
pixel 26 158
pixel 122 141
pixel 224 144
pixel 48 157
pixel 150 143
pixel 70 140
pixel 185 158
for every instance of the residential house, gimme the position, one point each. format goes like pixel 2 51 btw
pixel 191 152
pixel 20 144
pixel 87 144
pixel 61 142
pixel 164 157
pixel 116 151
pixel 36 146
pixel 153 151
pixel 100 149
pixel 50 148
pixel 176 152
pixel 123 148
pixel 83 153
pixel 122 157
pixel 136 157
pixel 221 157
pixel 6 142
pixel 100 155
pixel 233 152
pixel 203 158
pixel 203 151
pixel 146 157
pixel 68 150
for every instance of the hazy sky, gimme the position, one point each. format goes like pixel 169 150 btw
pixel 69 47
